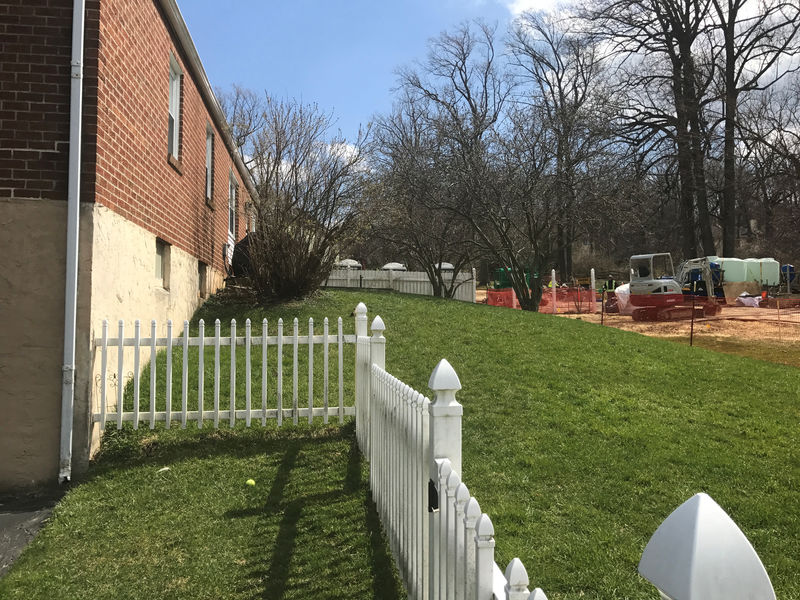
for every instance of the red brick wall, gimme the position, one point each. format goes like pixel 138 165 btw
pixel 35 46
pixel 133 176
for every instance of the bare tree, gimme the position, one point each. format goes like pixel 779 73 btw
pixel 412 193
pixel 244 111
pixel 768 171
pixel 467 89
pixel 756 35
pixel 562 82
pixel 310 199
pixel 666 44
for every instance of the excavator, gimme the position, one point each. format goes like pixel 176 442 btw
pixel 658 294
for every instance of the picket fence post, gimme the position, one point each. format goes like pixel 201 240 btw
pixel 484 557
pixel 445 451
pixel 516 581
pixel 445 417
pixel 377 353
pixel 362 372
pixel 592 287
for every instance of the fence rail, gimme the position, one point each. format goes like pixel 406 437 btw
pixel 406 282
pixel 178 352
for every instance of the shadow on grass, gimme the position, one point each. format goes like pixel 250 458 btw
pixel 123 448
pixel 276 576
pixel 315 533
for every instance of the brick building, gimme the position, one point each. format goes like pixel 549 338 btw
pixel 158 189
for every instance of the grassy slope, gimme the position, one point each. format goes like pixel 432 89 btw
pixel 578 441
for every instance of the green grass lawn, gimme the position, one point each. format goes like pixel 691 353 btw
pixel 578 441
pixel 307 529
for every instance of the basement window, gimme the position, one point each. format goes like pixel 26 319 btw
pixel 202 279
pixel 162 263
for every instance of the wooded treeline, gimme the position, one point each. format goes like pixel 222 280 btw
pixel 580 138
pixel 576 139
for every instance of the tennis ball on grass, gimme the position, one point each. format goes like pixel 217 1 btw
pixel 250 482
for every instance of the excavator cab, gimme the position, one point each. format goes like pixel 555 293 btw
pixel 646 267
pixel 658 294
pixel 653 285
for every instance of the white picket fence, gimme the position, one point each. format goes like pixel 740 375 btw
pixel 406 282
pixel 442 543
pixel 261 367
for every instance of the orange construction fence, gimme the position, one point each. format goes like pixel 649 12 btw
pixel 568 300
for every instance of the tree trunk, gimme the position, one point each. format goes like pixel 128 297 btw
pixel 686 176
pixel 701 195
pixel 698 154
pixel 729 157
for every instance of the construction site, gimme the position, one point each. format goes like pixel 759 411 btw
pixel 748 307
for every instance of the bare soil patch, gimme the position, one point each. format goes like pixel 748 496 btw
pixel 747 324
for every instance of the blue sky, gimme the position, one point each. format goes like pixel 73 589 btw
pixel 341 54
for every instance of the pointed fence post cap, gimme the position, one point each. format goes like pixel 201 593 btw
pixel 462 494
pixel 377 325
pixel 444 378
pixel 484 527
pixel 516 575
pixel 472 510
pixel 699 552
pixel 361 308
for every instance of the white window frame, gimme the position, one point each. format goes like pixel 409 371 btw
pixel 233 189
pixel 174 128
pixel 209 164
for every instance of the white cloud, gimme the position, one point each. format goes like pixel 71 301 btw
pixel 517 7
pixel 344 150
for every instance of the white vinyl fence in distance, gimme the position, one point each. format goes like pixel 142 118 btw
pixel 406 282
pixel 442 543
pixel 170 390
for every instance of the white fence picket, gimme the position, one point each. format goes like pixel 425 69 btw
pixel 248 371
pixel 103 375
pixel 217 326
pixel 153 374
pixel 264 373
pixel 310 370
pixel 340 344
pixel 295 343
pixel 325 369
pixel 280 372
pixel 137 328
pixel 232 415
pixel 201 370
pixel 120 372
pixel 185 374
pixel 168 418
